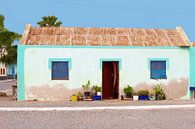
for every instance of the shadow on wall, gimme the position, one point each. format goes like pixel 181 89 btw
pixel 48 93
pixel 175 89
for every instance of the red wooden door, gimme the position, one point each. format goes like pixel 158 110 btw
pixel 110 80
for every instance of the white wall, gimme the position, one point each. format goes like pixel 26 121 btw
pixel 86 65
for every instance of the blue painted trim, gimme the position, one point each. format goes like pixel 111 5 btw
pixel 111 59
pixel 20 71
pixel 69 60
pixel 192 88
pixel 159 59
pixel 107 47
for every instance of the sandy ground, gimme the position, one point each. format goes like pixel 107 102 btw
pixel 9 102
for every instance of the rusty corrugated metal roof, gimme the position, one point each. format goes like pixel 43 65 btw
pixel 78 36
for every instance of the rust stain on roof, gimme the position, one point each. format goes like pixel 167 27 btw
pixel 78 36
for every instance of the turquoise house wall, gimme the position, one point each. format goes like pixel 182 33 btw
pixel 20 72
pixel 27 73
pixel 192 66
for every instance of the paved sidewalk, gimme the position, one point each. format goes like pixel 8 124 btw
pixel 7 80
pixel 6 86
pixel 8 102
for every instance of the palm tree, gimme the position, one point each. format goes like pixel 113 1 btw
pixel 7 49
pixel 2 18
pixel 49 21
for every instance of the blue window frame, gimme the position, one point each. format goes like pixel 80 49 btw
pixel 158 70
pixel 60 70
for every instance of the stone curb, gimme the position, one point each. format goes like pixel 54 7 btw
pixel 151 107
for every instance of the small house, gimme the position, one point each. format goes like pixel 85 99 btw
pixel 54 62
pixel 2 71
pixel 7 71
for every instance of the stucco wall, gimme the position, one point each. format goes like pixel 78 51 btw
pixel 86 66
pixel 192 68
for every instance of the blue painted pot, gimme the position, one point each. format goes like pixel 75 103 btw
pixel 143 97
pixel 96 97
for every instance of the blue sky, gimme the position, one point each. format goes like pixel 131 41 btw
pixel 102 13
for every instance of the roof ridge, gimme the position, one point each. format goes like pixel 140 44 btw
pixel 183 34
pixel 25 34
pixel 105 27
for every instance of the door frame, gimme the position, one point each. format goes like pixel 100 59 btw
pixel 119 60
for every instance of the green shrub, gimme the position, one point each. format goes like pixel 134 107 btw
pixel 79 94
pixel 143 92
pixel 152 93
pixel 159 93
pixel 86 87
pixel 96 88
pixel 135 93
pixel 128 90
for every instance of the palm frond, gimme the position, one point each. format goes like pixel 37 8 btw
pixel 7 38
pixel 2 18
pixel 49 21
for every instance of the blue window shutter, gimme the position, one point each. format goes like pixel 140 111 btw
pixel 60 70
pixel 158 70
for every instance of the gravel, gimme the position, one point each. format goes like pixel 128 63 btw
pixel 105 119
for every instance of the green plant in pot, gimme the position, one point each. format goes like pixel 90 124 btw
pixel 152 94
pixel 96 90
pixel 159 93
pixel 80 96
pixel 128 90
pixel 143 94
pixel 86 87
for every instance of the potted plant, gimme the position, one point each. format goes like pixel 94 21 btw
pixel 143 94
pixel 135 96
pixel 159 93
pixel 74 98
pixel 128 91
pixel 86 88
pixel 96 92
pixel 152 94
pixel 80 96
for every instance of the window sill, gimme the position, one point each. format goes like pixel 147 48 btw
pixel 60 79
